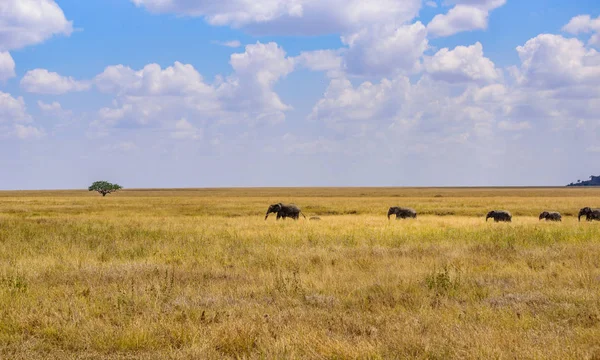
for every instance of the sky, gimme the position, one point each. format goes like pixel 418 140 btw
pixel 238 93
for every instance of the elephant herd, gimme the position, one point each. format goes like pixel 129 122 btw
pixel 292 211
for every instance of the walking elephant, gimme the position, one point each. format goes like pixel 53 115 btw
pixel 284 211
pixel 402 213
pixel 499 215
pixel 590 214
pixel 551 216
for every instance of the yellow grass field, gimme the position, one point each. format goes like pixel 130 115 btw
pixel 199 274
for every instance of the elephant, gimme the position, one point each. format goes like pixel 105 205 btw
pixel 551 216
pixel 499 215
pixel 284 211
pixel 402 213
pixel 590 214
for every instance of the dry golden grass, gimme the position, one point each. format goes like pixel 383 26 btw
pixel 193 274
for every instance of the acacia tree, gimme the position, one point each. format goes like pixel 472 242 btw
pixel 104 187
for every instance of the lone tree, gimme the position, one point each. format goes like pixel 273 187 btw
pixel 104 187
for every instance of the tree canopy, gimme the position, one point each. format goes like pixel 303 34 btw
pixel 104 187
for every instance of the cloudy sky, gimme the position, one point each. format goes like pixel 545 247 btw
pixel 204 93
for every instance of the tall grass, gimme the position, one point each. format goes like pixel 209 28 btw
pixel 200 274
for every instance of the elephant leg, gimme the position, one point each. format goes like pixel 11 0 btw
pixel 278 216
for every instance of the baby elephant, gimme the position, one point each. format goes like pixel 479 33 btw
pixel 402 213
pixel 284 211
pixel 551 216
pixel 499 215
pixel 590 214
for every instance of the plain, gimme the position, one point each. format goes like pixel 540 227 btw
pixel 199 274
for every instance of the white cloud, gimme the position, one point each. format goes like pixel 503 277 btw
pixel 231 43
pixel 459 19
pixel 7 66
pixel 153 95
pixel 464 63
pixel 42 81
pixel 307 17
pixel 431 4
pixel 467 15
pixel 552 61
pixel 185 130
pixel 593 149
pixel 514 126
pixel 120 147
pixel 584 24
pixel 483 4
pixel 15 120
pixel 30 22
pixel 380 41
pixel 55 106
pixel 54 109
pixel 385 50
pixel 249 90
pixel 28 132
pixel 152 80
pixel 13 109
pixel 320 60
pixel 347 107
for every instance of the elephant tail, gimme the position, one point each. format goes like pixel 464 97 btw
pixel 301 213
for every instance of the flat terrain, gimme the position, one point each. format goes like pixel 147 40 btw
pixel 199 274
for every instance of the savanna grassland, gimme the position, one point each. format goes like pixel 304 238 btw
pixel 199 274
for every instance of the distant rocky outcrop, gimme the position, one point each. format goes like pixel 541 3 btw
pixel 593 181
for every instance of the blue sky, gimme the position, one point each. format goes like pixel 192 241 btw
pixel 197 93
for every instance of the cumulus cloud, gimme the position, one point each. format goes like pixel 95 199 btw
pixel 231 43
pixel 552 61
pixel 120 147
pixel 467 15
pixel 28 132
pixel 462 101
pixel 185 130
pixel 320 60
pixel 306 17
pixel 514 126
pixel 154 94
pixel 384 50
pixel 15 120
pixel 54 109
pixel 584 24
pixel 152 80
pixel 42 81
pixel 593 149
pixel 462 64
pixel 30 22
pixel 7 66
pixel 55 106
pixel 13 109
pixel 249 90
pixel 379 39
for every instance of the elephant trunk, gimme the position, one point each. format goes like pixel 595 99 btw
pixel 579 217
